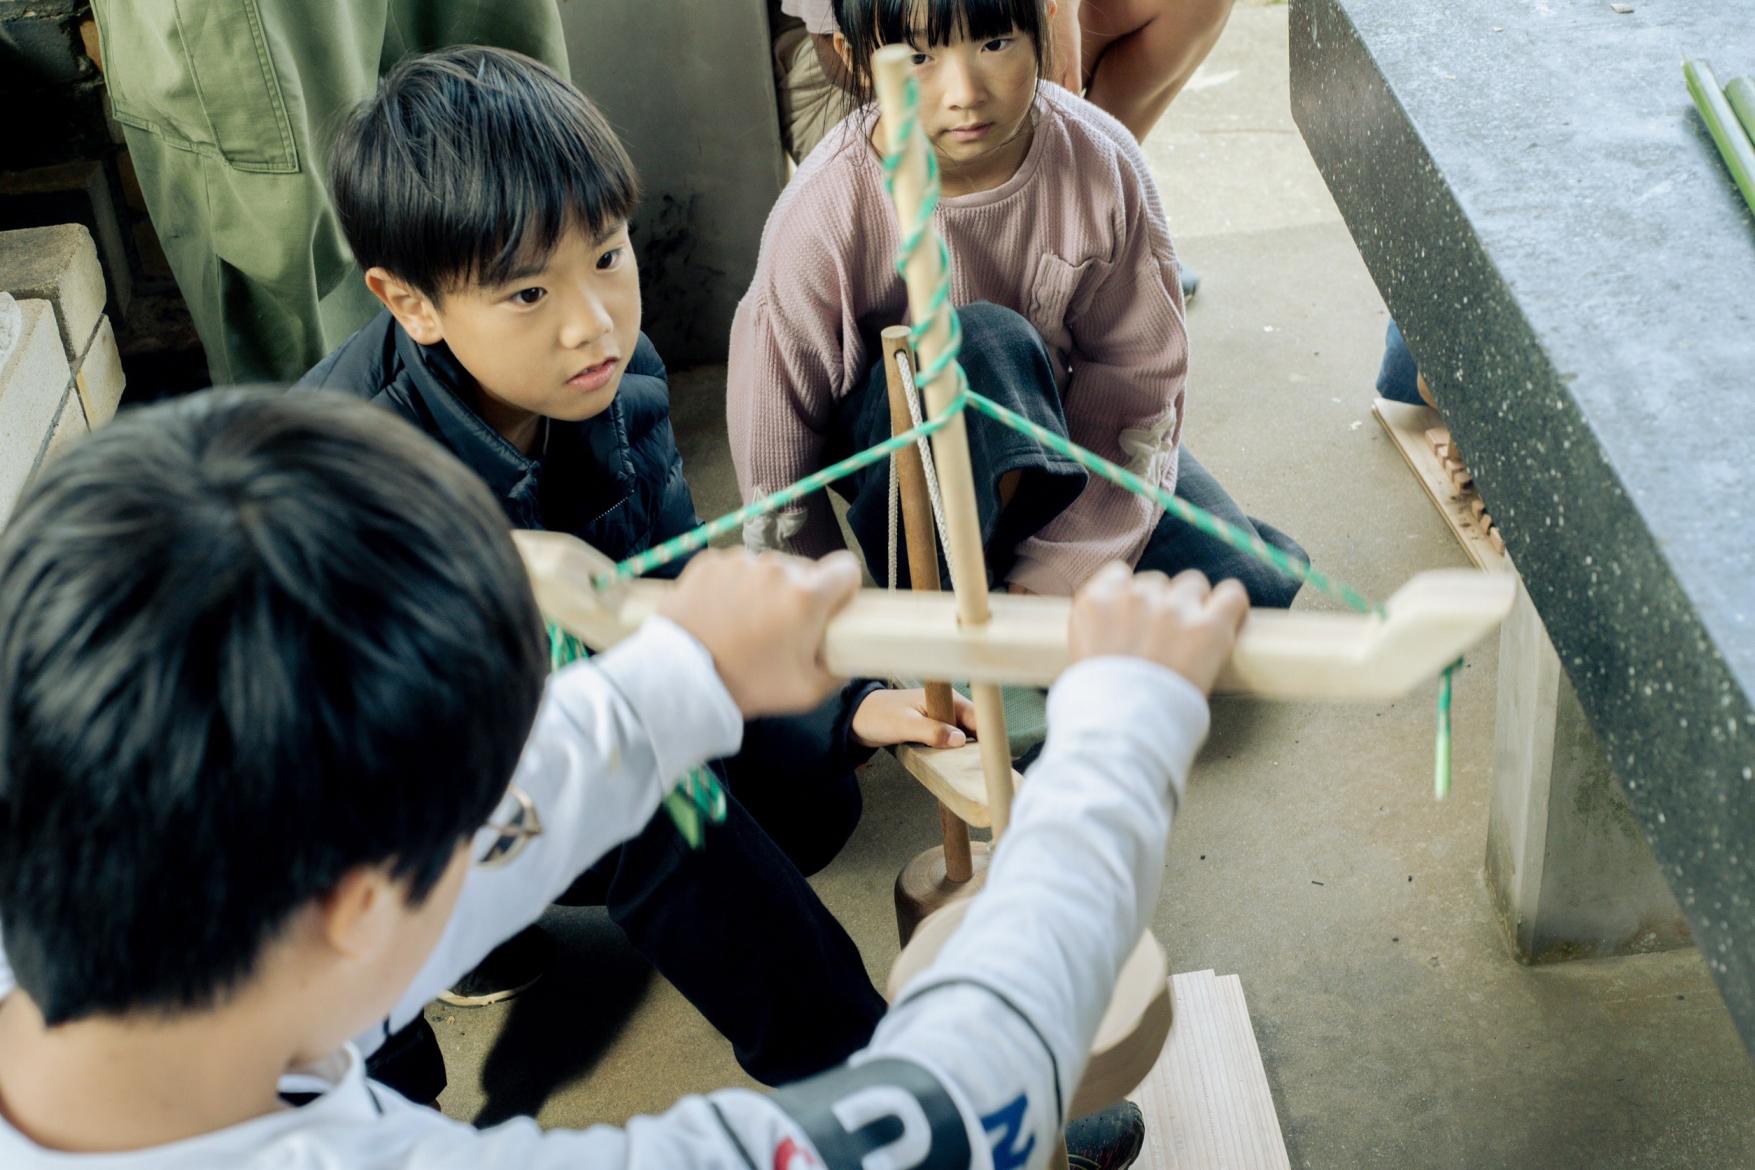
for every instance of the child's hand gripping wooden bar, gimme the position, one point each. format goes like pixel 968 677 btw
pixel 1428 624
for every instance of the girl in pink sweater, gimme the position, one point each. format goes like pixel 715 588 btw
pixel 1072 313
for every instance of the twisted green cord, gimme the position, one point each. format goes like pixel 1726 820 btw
pixel 1214 526
pixel 1441 743
pixel 947 362
pixel 640 564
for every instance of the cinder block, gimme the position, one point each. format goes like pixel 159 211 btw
pixel 33 385
pixel 100 378
pixel 77 192
pixel 59 265
pixel 11 325
pixel 12 9
pixel 44 49
pixel 70 426
pixel 64 124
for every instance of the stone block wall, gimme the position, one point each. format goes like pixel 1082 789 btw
pixel 60 368
pixel 63 160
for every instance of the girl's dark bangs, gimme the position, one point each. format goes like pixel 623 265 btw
pixel 950 20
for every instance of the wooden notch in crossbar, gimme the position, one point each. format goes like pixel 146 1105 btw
pixel 1429 623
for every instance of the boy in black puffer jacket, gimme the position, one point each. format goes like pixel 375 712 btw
pixel 487 201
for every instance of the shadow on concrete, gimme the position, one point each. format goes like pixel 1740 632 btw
pixel 555 1033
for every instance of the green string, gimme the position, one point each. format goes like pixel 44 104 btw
pixel 1441 743
pixel 697 800
pixel 640 564
pixel 947 362
pixel 1214 526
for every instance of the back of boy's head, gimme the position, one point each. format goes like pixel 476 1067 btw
pixel 249 642
pixel 869 25
pixel 470 163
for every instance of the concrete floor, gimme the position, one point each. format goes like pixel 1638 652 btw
pixel 1311 858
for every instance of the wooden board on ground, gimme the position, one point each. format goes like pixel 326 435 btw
pixel 1407 427
pixel 1207 1101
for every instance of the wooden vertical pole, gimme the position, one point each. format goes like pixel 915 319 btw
pixel 922 544
pixel 923 275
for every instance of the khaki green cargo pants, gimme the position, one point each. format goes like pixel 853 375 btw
pixel 227 106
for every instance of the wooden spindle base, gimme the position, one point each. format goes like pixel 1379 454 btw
pixel 924 886
pixel 1131 1035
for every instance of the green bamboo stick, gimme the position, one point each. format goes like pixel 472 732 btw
pixel 1740 92
pixel 1721 120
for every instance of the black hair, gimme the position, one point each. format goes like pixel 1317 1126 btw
pixel 249 642
pixel 469 164
pixel 869 25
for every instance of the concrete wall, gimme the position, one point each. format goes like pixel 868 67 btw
pixel 689 84
pixel 1570 872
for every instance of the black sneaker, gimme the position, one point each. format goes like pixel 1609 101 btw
pixel 1109 1140
pixel 512 966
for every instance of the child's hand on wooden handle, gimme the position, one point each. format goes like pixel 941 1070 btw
pixel 1185 624
pixel 762 618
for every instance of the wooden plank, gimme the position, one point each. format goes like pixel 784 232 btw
pixel 1206 1101
pixel 1410 428
pixel 953 775
pixel 1429 622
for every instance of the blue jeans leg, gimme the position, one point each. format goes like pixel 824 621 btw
pixel 1175 546
pixel 1398 379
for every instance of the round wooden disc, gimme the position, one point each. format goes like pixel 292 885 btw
pixel 1130 1036
pixel 922 888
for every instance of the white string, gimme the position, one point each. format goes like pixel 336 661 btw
pixel 895 511
pixel 905 365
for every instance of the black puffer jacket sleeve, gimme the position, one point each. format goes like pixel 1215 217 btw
pixel 672 504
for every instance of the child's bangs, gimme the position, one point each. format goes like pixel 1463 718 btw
pixel 535 210
pixel 943 21
pixel 553 176
pixel 470 166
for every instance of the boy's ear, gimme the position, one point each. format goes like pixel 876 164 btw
pixel 413 309
pixel 360 916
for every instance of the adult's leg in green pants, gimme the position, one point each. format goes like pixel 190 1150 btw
pixel 227 106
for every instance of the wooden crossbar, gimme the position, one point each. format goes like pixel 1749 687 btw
pixel 1430 622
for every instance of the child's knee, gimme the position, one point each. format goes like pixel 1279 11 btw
pixel 1271 589
pixel 987 326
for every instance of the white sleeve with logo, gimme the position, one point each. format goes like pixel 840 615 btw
pixel 971 1067
pixel 974 1064
pixel 1007 1013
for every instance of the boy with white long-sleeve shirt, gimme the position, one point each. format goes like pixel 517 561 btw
pixel 241 775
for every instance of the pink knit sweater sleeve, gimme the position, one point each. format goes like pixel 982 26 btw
pixel 1124 399
pixel 782 380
